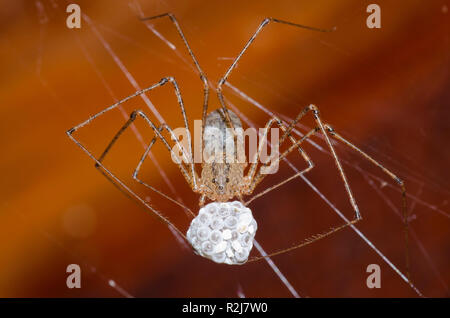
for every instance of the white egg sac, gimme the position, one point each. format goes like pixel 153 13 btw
pixel 223 232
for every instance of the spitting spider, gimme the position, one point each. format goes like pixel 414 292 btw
pixel 223 230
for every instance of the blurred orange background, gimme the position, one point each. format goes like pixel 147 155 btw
pixel 387 90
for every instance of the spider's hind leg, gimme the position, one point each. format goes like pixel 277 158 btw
pixel 324 128
pixel 319 127
pixel 99 164
pixel 399 182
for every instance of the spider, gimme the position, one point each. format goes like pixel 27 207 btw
pixel 219 181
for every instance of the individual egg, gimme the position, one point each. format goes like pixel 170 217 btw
pixel 215 237
pixel 242 255
pixel 211 209
pixel 237 204
pixel 216 223
pixel 236 246
pixel 207 247
pixel 221 247
pixel 204 218
pixel 226 234
pixel 223 211
pixel 219 257
pixel 245 239
pixel 231 222
pixel 203 233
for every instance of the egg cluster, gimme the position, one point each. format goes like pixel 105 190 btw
pixel 223 232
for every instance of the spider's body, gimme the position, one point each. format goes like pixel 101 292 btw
pixel 223 159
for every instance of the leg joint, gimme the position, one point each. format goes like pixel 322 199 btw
pixel 266 21
pixel 399 181
pixel 313 108
pixel 133 114
pixel 163 80
pixel 70 131
pixel 329 129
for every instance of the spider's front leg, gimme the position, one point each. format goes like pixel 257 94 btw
pixel 98 162
pixel 203 77
pixel 190 178
pixel 133 116
pixel 233 65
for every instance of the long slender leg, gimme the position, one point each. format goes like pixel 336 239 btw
pixel 250 178
pixel 113 141
pixel 187 158
pixel 247 45
pixel 120 183
pixel 138 167
pixel 357 217
pixel 185 173
pixel 255 182
pixel 308 241
pixel 320 127
pixel 191 53
pixel 162 82
pixel 113 106
pixel 399 181
pixel 188 132
pixel 295 144
pixel 116 181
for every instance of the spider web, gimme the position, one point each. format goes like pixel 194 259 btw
pixel 373 181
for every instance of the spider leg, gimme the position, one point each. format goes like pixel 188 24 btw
pixel 141 161
pixel 191 53
pixel 319 127
pixel 201 202
pixel 329 129
pixel 127 124
pixel 283 155
pixel 187 158
pixel 251 179
pixel 399 181
pixel 183 170
pixel 264 23
pixel 357 217
pixel 190 158
pixel 115 105
pixel 119 183
pixel 110 176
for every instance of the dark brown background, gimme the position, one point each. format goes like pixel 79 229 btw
pixel 385 89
